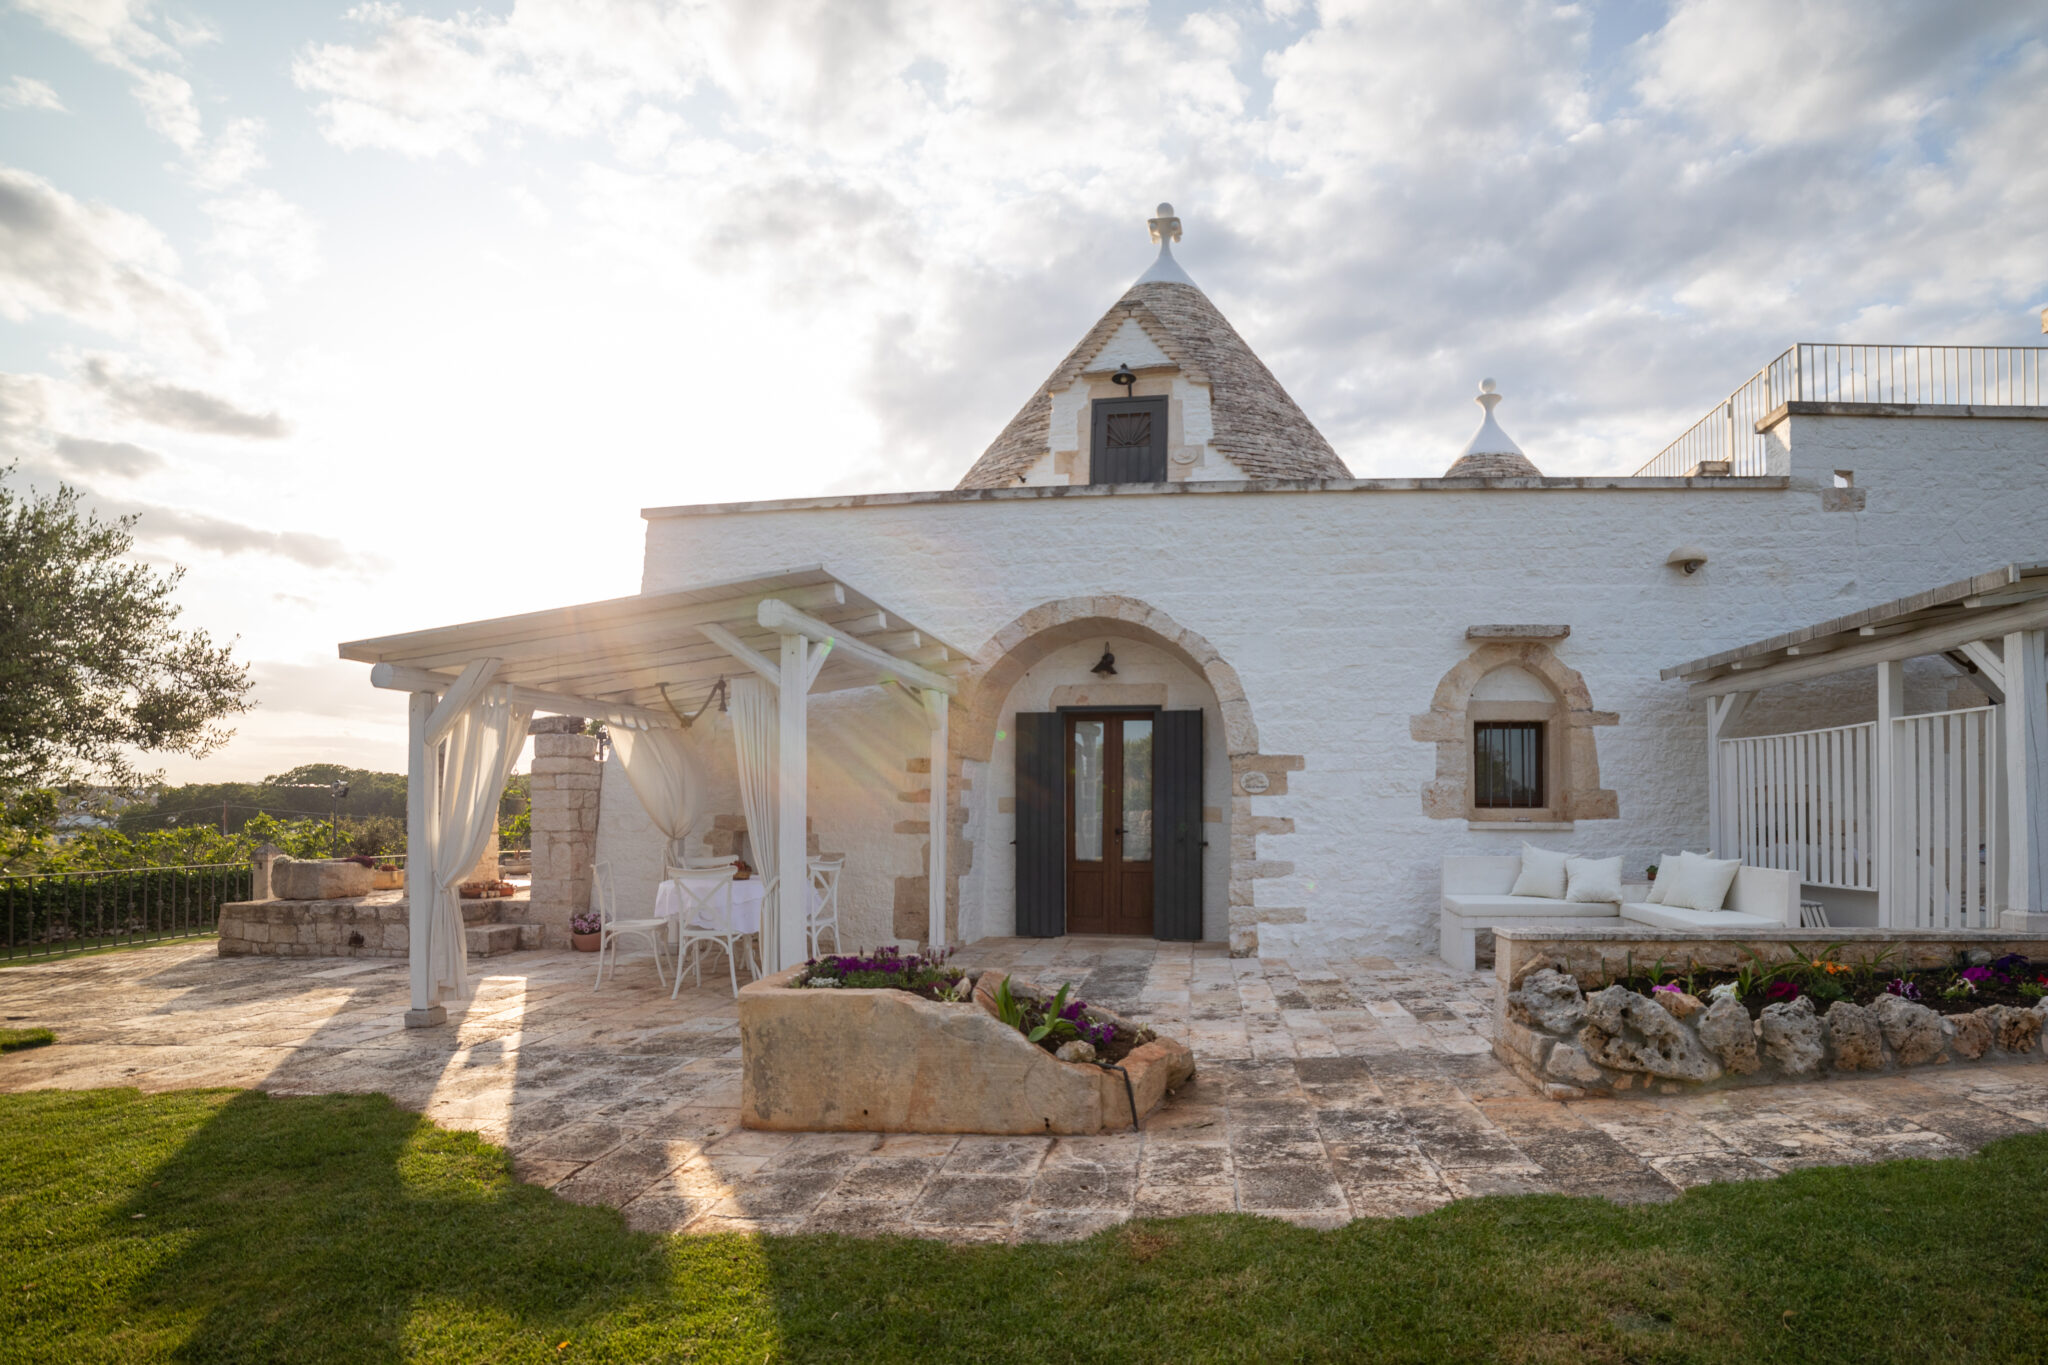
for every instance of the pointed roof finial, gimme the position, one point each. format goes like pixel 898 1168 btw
pixel 1165 229
pixel 1491 453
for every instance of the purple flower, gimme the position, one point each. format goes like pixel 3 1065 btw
pixel 1903 988
pixel 1073 1010
pixel 1670 988
pixel 1977 976
pixel 1781 990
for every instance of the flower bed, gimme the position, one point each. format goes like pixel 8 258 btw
pixel 1959 988
pixel 926 976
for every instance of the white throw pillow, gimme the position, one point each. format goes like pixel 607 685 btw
pixel 1593 880
pixel 1542 874
pixel 1701 883
pixel 1662 883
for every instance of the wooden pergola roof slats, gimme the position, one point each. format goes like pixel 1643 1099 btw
pixel 650 655
pixel 1967 610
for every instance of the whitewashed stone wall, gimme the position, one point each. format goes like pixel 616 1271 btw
pixel 1340 608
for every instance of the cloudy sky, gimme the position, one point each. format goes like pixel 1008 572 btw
pixel 395 315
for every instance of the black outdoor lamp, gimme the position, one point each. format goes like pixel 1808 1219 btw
pixel 1105 667
pixel 1123 379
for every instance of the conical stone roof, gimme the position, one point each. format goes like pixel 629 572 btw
pixel 1257 427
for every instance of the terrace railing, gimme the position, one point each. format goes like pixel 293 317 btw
pixel 1832 372
pixel 59 913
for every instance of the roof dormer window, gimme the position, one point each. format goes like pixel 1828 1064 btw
pixel 1127 441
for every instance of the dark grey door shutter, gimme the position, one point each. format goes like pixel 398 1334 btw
pixel 1041 824
pixel 1177 825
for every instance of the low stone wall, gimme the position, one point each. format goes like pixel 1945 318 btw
pixel 1572 1044
pixel 376 925
pixel 1602 954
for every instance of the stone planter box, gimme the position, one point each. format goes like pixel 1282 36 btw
pixel 383 879
pixel 892 1062
pixel 319 880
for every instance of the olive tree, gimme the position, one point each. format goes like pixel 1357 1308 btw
pixel 93 668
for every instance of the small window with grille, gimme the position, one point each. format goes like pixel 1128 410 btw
pixel 1127 441
pixel 1507 764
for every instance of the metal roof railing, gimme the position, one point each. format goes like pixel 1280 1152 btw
pixel 1838 372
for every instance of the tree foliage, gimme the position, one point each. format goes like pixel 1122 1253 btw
pixel 92 666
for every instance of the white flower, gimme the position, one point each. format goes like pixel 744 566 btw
pixel 1724 991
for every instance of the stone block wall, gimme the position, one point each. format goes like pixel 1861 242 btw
pixel 564 789
pixel 363 926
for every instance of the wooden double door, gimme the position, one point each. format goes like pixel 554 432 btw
pixel 1109 823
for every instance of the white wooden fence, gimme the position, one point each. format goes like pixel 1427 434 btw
pixel 1802 802
pixel 1805 802
pixel 1946 860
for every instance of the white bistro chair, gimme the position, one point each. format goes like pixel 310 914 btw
pixel 824 902
pixel 705 917
pixel 615 928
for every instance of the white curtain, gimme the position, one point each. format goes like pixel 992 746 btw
pixel 663 774
pixel 757 742
pixel 474 761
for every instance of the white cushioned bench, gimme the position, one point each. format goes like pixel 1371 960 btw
pixel 1475 897
pixel 1760 898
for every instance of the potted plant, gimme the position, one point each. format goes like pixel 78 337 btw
pixel 586 931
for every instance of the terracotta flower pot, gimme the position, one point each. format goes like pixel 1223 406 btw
pixel 585 943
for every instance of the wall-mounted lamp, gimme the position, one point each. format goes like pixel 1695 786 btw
pixel 1689 559
pixel 1123 379
pixel 1105 667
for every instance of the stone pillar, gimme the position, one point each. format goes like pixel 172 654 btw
pixel 564 786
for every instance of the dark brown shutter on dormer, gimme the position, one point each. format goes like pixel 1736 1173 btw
pixel 1127 441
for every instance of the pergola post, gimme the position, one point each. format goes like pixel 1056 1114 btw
pixel 1722 713
pixel 783 943
pixel 1891 695
pixel 2026 777
pixel 427 1009
pixel 941 825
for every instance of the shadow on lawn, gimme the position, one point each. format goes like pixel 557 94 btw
pixel 322 1230
pixel 343 1228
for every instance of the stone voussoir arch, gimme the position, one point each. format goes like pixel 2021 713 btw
pixel 1445 724
pixel 1024 642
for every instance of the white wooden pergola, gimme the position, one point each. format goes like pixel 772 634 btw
pixel 651 660
pixel 1944 815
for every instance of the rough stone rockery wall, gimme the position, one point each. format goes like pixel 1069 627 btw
pixel 1617 1041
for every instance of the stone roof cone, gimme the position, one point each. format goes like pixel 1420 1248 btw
pixel 1491 453
pixel 1257 426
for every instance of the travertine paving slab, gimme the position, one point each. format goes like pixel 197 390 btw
pixel 1325 1090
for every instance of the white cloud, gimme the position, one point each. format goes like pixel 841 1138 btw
pixel 26 92
pixel 143 397
pixel 94 265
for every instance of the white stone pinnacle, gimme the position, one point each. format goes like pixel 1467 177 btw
pixel 1490 439
pixel 1165 229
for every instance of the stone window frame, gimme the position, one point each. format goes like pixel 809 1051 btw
pixel 1572 759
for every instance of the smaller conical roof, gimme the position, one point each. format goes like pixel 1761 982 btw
pixel 1491 453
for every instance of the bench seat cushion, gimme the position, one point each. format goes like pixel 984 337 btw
pixel 1525 907
pixel 1680 917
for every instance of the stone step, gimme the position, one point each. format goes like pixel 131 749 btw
pixel 489 940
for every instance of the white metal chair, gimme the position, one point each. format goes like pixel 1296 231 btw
pixel 824 913
pixel 705 917
pixel 699 864
pixel 614 928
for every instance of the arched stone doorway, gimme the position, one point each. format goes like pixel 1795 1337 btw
pixel 1042 633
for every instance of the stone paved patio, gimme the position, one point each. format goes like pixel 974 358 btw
pixel 1325 1090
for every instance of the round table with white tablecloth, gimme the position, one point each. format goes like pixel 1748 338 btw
pixel 741 899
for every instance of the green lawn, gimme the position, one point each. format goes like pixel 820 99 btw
pixel 15 1039
pixel 222 1225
